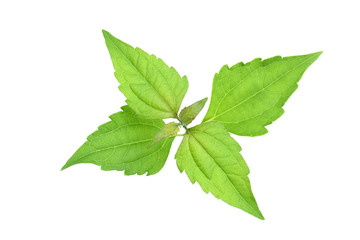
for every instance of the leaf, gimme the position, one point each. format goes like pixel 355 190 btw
pixel 168 130
pixel 188 114
pixel 247 97
pixel 121 145
pixel 211 157
pixel 153 90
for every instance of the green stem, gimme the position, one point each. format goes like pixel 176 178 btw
pixel 182 124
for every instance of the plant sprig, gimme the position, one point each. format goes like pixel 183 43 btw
pixel 245 98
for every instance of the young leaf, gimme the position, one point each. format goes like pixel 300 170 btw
pixel 168 130
pixel 211 157
pixel 247 97
pixel 188 114
pixel 153 90
pixel 121 145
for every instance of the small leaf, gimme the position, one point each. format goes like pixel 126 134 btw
pixel 211 157
pixel 152 89
pixel 247 97
pixel 188 114
pixel 168 130
pixel 121 145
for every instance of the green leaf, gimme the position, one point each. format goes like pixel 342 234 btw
pixel 211 157
pixel 188 114
pixel 169 130
pixel 247 97
pixel 153 90
pixel 121 144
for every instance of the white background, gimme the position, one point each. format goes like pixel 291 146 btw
pixel 57 86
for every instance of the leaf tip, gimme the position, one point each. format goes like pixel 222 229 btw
pixel 256 213
pixel 105 32
pixel 315 55
pixel 318 53
pixel 64 167
pixel 68 164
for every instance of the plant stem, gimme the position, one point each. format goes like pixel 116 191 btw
pixel 182 124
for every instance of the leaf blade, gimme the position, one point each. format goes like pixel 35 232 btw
pixel 121 145
pixel 188 114
pixel 248 97
pixel 152 89
pixel 168 130
pixel 211 157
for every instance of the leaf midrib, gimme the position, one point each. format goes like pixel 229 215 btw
pixel 244 79
pixel 116 146
pixel 232 184
pixel 143 77
pixel 217 116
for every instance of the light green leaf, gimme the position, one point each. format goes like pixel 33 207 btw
pixel 188 114
pixel 168 130
pixel 153 90
pixel 247 97
pixel 121 144
pixel 211 157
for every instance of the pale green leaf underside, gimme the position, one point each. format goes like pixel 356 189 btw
pixel 210 156
pixel 168 130
pixel 247 97
pixel 121 144
pixel 153 90
pixel 188 114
